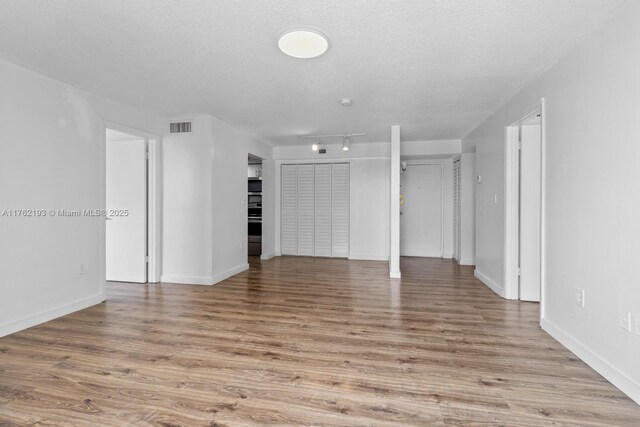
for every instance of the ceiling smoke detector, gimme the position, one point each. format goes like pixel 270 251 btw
pixel 303 44
pixel 346 102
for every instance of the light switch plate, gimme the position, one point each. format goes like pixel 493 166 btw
pixel 580 298
pixel 625 320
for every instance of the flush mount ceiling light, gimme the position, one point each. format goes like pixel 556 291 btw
pixel 303 44
pixel 316 144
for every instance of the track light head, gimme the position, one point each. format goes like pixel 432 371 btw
pixel 346 143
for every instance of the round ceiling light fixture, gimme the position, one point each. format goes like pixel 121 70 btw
pixel 303 44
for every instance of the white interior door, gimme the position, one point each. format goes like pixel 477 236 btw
pixel 126 204
pixel 340 210
pixel 306 210
pixel 289 210
pixel 530 213
pixel 421 213
pixel 322 230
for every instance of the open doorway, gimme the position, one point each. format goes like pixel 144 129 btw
pixel 131 206
pixel 254 207
pixel 524 209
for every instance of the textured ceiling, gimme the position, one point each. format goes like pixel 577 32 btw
pixel 436 67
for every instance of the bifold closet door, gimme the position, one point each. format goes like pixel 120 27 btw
pixel 306 210
pixel 289 210
pixel 323 210
pixel 340 183
pixel 456 210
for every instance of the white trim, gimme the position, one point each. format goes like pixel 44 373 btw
pixel 47 315
pixel 511 211
pixel 186 280
pixel 467 261
pixel 365 257
pixel 489 282
pixel 447 255
pixel 154 211
pixel 395 274
pixel 102 226
pixel 511 205
pixel 232 272
pixel 625 383
pixel 266 257
pixel 543 206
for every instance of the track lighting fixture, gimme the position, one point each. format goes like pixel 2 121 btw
pixel 346 140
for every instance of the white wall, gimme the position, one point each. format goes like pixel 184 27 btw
pixel 369 202
pixel 592 228
pixel 269 183
pixel 187 204
pixel 433 148
pixel 205 201
pixel 50 158
pixel 369 233
pixel 467 208
pixel 229 190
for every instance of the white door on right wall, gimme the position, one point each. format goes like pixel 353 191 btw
pixel 530 213
pixel 421 212
pixel 126 202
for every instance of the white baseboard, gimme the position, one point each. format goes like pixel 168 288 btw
pixel 490 283
pixel 627 385
pixel 447 255
pixel 232 272
pixel 186 280
pixel 364 257
pixel 468 261
pixel 47 315
pixel 395 275
pixel 266 257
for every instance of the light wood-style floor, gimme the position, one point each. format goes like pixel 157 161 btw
pixel 304 341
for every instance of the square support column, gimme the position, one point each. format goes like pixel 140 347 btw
pixel 394 240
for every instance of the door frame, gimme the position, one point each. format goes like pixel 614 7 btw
pixel 511 205
pixel 441 164
pixel 154 201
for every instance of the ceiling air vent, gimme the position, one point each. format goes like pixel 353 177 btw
pixel 180 127
pixel 322 151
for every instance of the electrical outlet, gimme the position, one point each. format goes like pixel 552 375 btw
pixel 82 269
pixel 625 320
pixel 580 298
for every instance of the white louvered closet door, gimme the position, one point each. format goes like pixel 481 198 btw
pixel 323 210
pixel 289 210
pixel 340 183
pixel 456 210
pixel 306 210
